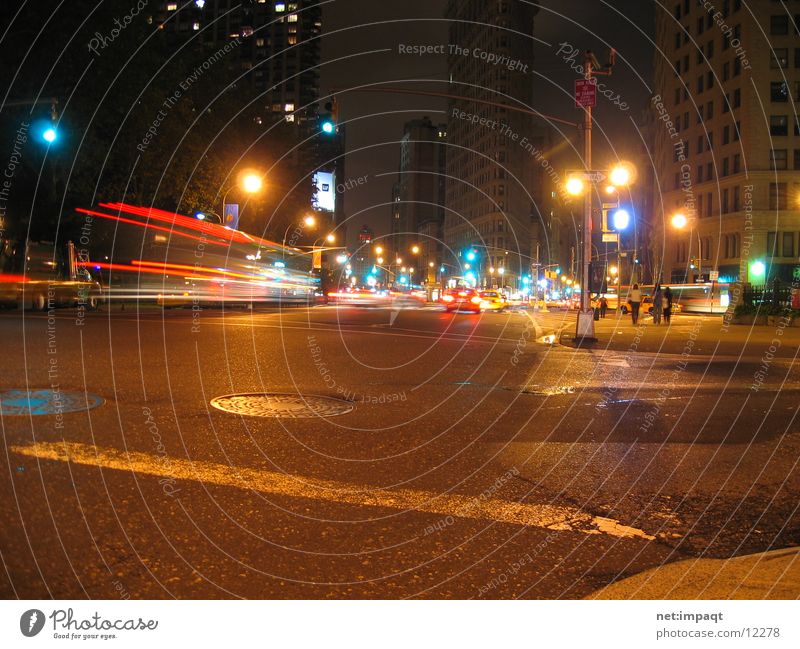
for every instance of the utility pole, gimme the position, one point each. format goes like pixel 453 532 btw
pixel 584 330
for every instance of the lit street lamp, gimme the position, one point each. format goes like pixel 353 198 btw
pixel 680 222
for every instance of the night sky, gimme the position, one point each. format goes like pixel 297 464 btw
pixel 361 47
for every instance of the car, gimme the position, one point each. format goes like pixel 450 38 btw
pixel 493 301
pixel 646 306
pixel 467 299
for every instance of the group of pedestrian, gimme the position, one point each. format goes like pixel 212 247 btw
pixel 662 304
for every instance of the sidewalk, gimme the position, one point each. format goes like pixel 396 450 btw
pixel 704 334
pixel 767 575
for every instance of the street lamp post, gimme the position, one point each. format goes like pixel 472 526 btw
pixel 679 222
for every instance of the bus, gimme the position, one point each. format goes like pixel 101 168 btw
pixel 150 254
pixel 711 297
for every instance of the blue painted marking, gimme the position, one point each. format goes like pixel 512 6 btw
pixel 46 402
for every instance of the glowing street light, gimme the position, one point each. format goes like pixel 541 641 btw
pixel 613 270
pixel 679 221
pixel 415 250
pixel 622 174
pixel 574 186
pixel 378 250
pixel 310 221
pixel 380 260
pixel 331 238
pixel 251 183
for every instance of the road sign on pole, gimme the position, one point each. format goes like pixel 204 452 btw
pixel 585 93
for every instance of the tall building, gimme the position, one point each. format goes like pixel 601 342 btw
pixel 727 140
pixel 278 48
pixel 491 150
pixel 419 197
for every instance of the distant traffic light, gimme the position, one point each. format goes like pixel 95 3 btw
pixel 329 119
pixel 50 135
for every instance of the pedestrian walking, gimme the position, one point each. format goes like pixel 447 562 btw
pixel 657 306
pixel 603 306
pixel 635 301
pixel 666 304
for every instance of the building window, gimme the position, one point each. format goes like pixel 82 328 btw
pixel 777 196
pixel 709 203
pixel 779 25
pixel 725 198
pixel 725 167
pixel 737 98
pixel 777 159
pixel 699 173
pixel 710 50
pixel 778 92
pixel 736 200
pixel 292 18
pixel 700 83
pixel 701 24
pixel 737 132
pixel 797 57
pixel 797 159
pixel 710 110
pixel 778 125
pixel 726 135
pixel 771 244
pixel 172 6
pixel 788 244
pixel 726 71
pixel 737 163
pixel 779 58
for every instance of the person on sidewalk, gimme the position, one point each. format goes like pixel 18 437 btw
pixel 603 306
pixel 666 304
pixel 635 301
pixel 657 308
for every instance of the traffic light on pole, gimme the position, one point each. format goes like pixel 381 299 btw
pixel 329 119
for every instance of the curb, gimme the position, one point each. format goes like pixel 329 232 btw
pixel 765 575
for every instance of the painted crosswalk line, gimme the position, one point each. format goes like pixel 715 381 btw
pixel 482 507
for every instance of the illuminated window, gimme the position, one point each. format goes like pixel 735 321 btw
pixel 172 6
pixel 280 6
pixel 292 40
pixel 292 18
pixel 259 42
pixel 288 108
pixel 290 118
pixel 195 26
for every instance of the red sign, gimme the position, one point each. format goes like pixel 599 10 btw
pixel 585 93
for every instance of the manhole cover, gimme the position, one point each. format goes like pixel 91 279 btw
pixel 291 406
pixel 46 402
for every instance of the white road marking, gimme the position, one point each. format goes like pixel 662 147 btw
pixel 550 517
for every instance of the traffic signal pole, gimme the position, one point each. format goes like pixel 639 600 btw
pixel 584 329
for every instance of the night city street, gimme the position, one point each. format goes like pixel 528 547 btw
pixel 345 324
pixel 450 463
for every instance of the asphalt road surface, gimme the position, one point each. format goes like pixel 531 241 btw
pixel 457 455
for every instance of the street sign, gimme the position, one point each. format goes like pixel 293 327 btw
pixel 588 176
pixel 610 237
pixel 585 93
pixel 713 275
